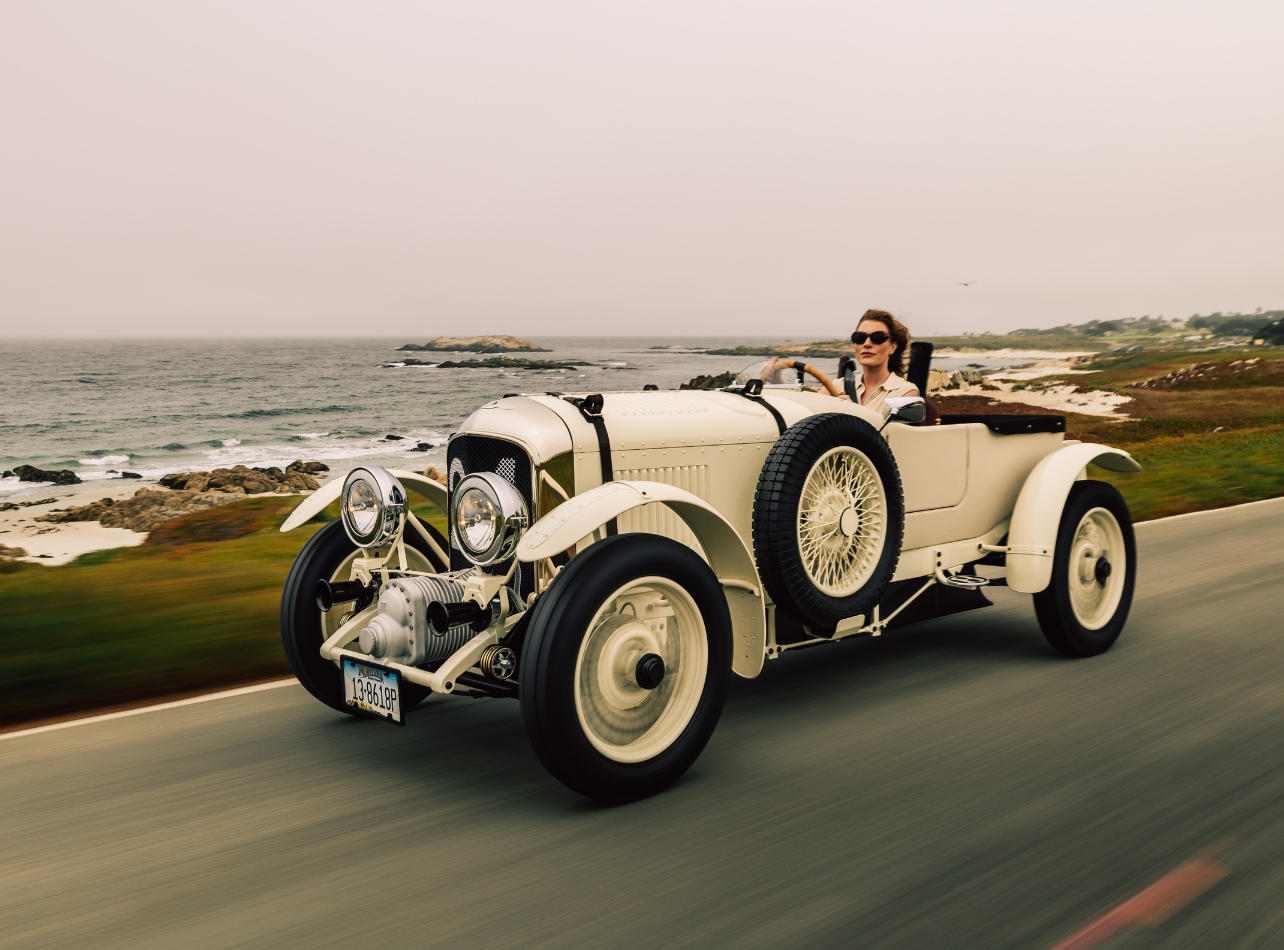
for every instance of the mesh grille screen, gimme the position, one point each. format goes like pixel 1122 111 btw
pixel 469 454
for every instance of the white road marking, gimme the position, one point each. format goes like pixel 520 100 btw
pixel 190 701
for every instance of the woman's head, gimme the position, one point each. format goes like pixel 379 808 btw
pixel 876 325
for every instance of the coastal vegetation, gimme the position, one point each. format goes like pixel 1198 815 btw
pixel 1094 336
pixel 194 608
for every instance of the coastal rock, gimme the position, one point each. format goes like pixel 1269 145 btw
pixel 241 480
pixel 436 474
pixel 496 362
pixel 721 381
pixel 29 473
pixel 308 468
pixel 477 344
pixel 146 510
pixel 6 551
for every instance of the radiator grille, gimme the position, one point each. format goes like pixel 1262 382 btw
pixel 469 454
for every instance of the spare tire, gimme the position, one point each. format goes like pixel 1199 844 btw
pixel 828 518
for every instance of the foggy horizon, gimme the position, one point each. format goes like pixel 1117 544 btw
pixel 290 170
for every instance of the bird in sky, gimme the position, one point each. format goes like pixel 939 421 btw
pixel 963 283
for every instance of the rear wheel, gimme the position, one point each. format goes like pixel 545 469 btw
pixel 625 668
pixel 328 555
pixel 1094 571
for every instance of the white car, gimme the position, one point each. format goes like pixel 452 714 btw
pixel 614 557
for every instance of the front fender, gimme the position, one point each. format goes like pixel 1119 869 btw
pixel 317 502
pixel 1032 537
pixel 731 561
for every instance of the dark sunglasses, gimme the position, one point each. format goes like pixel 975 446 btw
pixel 878 337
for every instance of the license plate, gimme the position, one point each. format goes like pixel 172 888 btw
pixel 373 690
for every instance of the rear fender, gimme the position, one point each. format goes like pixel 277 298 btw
pixel 731 561
pixel 1032 538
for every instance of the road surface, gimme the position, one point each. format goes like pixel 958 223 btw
pixel 954 785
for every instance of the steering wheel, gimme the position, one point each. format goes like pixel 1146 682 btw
pixel 821 378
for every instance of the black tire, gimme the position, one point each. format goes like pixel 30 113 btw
pixel 301 631
pixel 559 625
pixel 1054 605
pixel 775 519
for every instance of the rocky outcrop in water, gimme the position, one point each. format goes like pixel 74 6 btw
pixel 240 480
pixel 476 344
pixel 146 510
pixel 721 381
pixel 29 473
pixel 6 551
pixel 493 362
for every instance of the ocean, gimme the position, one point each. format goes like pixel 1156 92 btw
pixel 159 406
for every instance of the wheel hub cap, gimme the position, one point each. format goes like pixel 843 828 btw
pixel 617 670
pixel 1097 568
pixel 849 522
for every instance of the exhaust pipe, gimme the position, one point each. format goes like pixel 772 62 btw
pixel 442 616
pixel 338 593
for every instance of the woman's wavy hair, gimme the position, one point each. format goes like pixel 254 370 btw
pixel 900 336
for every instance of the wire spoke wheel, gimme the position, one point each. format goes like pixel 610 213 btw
pixel 842 521
pixel 828 518
pixel 623 720
pixel 1097 568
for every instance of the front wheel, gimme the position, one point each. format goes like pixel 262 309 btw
pixel 626 667
pixel 1094 570
pixel 328 555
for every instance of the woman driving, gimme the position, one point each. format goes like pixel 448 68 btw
pixel 880 343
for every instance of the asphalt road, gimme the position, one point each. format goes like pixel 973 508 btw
pixel 954 785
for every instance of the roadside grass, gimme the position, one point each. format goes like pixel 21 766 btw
pixel 1188 465
pixel 1194 472
pixel 194 608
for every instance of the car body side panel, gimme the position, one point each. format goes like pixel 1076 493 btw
pixel 933 462
pixel 997 468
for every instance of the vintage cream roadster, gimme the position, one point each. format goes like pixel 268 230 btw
pixel 613 557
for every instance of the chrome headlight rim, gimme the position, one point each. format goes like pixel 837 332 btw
pixel 513 517
pixel 390 496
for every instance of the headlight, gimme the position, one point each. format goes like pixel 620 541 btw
pixel 489 517
pixel 372 504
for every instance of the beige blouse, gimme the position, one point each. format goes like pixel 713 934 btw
pixel 893 385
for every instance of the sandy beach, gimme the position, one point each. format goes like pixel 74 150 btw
pixel 59 543
pixel 47 543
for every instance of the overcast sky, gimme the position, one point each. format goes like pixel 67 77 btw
pixel 738 168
